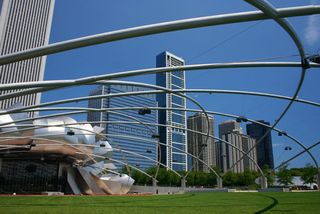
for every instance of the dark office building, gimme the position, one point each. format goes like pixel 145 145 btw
pixel 264 148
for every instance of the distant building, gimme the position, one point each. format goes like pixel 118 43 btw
pixel 23 25
pixel 198 144
pixel 227 155
pixel 247 143
pixel 116 132
pixel 172 137
pixel 264 148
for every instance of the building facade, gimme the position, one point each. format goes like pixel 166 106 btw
pixel 173 154
pixel 227 155
pixel 198 145
pixel 143 141
pixel 24 25
pixel 264 148
pixel 248 143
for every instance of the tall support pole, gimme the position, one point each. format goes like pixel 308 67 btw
pixel 219 183
pixel 183 183
pixel 318 179
pixel 154 185
pixel 264 182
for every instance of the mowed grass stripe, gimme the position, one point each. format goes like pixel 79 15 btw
pixel 186 203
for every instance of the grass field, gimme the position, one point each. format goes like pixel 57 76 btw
pixel 187 203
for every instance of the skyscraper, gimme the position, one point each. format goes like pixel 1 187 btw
pixel 117 133
pixel 247 143
pixel 24 25
pixel 198 144
pixel 172 137
pixel 227 155
pixel 264 148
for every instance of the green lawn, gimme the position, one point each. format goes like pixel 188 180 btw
pixel 187 203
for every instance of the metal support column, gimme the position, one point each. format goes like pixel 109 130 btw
pixel 154 185
pixel 219 183
pixel 264 182
pixel 183 183
pixel 318 179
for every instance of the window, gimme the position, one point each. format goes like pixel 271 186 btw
pixel 177 81
pixel 178 147
pixel 175 106
pixel 178 73
pixel 177 137
pixel 175 87
pixel 178 167
pixel 177 100
pixel 180 158
pixel 177 118
pixel 178 112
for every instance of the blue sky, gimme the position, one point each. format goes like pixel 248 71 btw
pixel 77 18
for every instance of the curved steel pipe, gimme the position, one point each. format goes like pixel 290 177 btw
pixel 123 163
pixel 55 84
pixel 270 11
pixel 169 146
pixel 297 155
pixel 210 91
pixel 150 92
pixel 169 91
pixel 41 126
pixel 193 131
pixel 87 154
pixel 146 157
pixel 84 110
pixel 144 92
pixel 153 29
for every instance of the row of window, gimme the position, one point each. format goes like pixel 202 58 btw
pixel 178 157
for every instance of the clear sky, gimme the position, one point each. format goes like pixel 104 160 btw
pixel 227 43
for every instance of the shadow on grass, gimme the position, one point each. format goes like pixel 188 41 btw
pixel 112 203
pixel 269 207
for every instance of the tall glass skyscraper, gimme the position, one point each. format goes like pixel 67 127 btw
pixel 117 132
pixel 173 137
pixel 264 148
pixel 24 25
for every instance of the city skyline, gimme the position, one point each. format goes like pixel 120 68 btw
pixel 251 108
pixel 178 106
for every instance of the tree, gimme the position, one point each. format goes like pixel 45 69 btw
pixel 230 179
pixel 246 178
pixel 191 178
pixel 284 176
pixel 212 179
pixel 308 174
pixel 173 179
pixel 296 171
